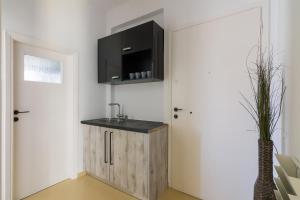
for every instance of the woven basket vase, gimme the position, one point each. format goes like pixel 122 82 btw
pixel 264 185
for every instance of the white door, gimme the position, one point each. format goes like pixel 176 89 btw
pixel 43 86
pixel 208 71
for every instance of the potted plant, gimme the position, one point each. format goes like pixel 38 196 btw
pixel 268 88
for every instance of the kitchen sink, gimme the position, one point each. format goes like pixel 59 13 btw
pixel 112 120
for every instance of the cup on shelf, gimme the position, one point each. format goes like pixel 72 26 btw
pixel 149 74
pixel 131 76
pixel 144 75
pixel 137 75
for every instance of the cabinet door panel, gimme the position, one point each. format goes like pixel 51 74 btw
pixel 138 38
pixel 109 58
pixel 158 155
pixel 138 164
pixel 118 167
pixel 101 149
pixel 90 149
pixel 86 145
pixel 93 149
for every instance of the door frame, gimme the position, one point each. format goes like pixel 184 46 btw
pixel 7 97
pixel 270 37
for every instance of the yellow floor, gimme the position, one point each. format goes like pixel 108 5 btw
pixel 88 188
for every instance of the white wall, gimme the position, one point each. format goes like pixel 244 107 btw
pixel 289 31
pixel 178 14
pixel 141 101
pixel 0 103
pixel 72 26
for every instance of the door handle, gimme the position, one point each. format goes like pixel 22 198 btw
pixel 177 109
pixel 16 112
pixel 105 153
pixel 110 151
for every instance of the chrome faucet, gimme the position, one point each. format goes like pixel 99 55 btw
pixel 119 115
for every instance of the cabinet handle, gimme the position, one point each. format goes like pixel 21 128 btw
pixel 105 153
pixel 127 48
pixel 110 151
pixel 115 77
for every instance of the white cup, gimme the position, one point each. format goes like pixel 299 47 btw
pixel 137 75
pixel 149 74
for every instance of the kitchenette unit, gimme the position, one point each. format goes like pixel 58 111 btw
pixel 130 155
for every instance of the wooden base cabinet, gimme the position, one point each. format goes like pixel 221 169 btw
pixel 95 152
pixel 136 163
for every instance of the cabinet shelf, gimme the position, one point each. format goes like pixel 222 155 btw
pixel 135 81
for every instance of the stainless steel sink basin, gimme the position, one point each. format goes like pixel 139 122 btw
pixel 112 120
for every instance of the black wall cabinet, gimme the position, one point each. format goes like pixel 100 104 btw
pixel 109 58
pixel 136 50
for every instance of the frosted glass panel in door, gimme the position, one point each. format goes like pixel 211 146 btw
pixel 42 69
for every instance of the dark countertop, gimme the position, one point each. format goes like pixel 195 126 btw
pixel 128 125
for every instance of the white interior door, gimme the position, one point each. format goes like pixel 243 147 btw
pixel 209 143
pixel 43 86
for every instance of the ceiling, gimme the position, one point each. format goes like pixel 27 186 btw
pixel 106 4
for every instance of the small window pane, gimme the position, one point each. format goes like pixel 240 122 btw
pixel 42 70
